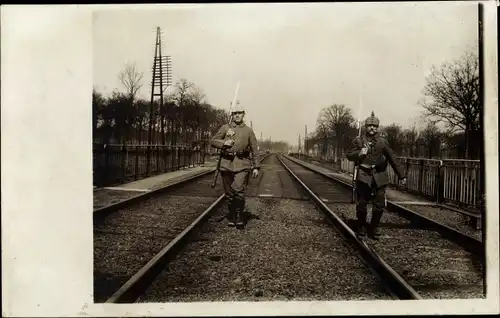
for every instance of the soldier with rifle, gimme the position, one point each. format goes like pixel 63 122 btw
pixel 238 146
pixel 371 155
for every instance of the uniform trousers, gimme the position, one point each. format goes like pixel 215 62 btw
pixel 235 185
pixel 365 194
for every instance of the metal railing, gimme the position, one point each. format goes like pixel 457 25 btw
pixel 444 181
pixel 117 163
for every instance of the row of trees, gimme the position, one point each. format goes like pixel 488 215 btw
pixel 451 97
pixel 184 118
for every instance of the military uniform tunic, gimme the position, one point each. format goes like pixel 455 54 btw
pixel 242 155
pixel 236 162
pixel 379 155
pixel 372 177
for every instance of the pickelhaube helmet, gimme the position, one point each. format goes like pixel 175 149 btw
pixel 372 120
pixel 238 108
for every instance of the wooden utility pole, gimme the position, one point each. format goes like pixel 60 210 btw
pixel 305 141
pixel 161 76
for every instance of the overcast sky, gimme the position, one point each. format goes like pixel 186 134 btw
pixel 292 59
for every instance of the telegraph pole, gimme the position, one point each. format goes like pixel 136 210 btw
pixel 162 75
pixel 299 146
pixel 305 141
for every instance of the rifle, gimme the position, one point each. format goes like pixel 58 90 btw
pixel 217 171
pixel 356 164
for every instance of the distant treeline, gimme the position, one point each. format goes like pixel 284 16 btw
pixel 451 96
pixel 183 119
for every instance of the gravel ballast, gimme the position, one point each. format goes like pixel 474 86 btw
pixel 321 186
pixel 127 239
pixel 288 252
pixel 448 217
pixel 428 262
pixel 434 266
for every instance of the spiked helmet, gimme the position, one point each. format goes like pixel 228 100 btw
pixel 372 120
pixel 238 108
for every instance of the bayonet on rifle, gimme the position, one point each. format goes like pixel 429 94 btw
pixel 356 167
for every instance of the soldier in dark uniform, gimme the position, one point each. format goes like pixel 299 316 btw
pixel 371 154
pixel 238 144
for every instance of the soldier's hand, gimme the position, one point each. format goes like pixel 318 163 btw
pixel 363 151
pixel 255 173
pixel 403 182
pixel 229 143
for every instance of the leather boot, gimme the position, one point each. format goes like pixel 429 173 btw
pixel 231 216
pixel 374 224
pixel 361 216
pixel 240 206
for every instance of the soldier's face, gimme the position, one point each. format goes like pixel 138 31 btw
pixel 238 117
pixel 371 129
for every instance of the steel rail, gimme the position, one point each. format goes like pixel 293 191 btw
pixel 135 286
pixel 101 213
pixel 395 283
pixel 466 241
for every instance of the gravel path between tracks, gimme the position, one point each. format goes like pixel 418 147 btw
pixel 322 187
pixel 129 238
pixel 434 266
pixel 286 252
pixel 453 219
pixel 274 181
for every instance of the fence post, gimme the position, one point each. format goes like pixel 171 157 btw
pixel 407 172
pixel 203 152
pixel 420 175
pixel 178 166
pixel 157 159
pixel 164 158
pixel 124 162
pixel 136 168
pixel 106 165
pixel 183 157
pixel 440 182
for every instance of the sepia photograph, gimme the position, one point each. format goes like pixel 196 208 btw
pixel 278 152
pixel 256 159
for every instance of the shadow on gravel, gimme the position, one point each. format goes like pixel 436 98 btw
pixel 247 217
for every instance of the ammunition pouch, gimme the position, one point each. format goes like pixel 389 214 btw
pixel 230 155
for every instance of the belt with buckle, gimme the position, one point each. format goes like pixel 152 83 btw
pixel 239 154
pixel 367 168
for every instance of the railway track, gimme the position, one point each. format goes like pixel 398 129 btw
pixel 129 233
pixel 436 260
pixel 288 250
pixel 466 222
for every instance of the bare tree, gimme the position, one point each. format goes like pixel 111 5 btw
pixel 131 79
pixel 410 136
pixel 431 138
pixel 394 135
pixel 452 96
pixel 336 120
